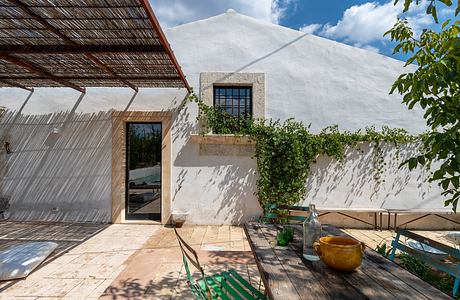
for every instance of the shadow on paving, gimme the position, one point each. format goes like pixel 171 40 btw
pixel 159 273
pixel 66 235
pixel 133 288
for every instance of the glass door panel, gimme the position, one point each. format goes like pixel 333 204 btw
pixel 143 170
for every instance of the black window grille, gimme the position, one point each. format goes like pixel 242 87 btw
pixel 234 100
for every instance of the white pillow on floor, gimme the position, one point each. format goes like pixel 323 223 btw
pixel 20 260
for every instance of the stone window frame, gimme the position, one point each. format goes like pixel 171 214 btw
pixel 254 80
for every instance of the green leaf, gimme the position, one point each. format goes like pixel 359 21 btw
pixel 455 181
pixel 412 163
pixel 407 4
pixel 439 174
pixel 445 184
pixel 446 2
pixel 434 14
pixel 421 159
pixel 429 8
pixel 446 22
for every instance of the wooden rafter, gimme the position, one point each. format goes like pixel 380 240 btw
pixel 15 84
pixel 39 71
pixel 108 43
pixel 142 77
pixel 68 41
pixel 81 49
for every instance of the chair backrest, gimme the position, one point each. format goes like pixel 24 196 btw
pixel 188 255
pixel 437 245
pixel 290 213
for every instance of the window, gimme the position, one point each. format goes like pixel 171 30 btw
pixel 236 101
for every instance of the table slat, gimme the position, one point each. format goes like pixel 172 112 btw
pixel 307 285
pixel 269 266
pixel 287 275
pixel 410 279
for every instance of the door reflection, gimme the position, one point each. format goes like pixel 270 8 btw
pixel 144 141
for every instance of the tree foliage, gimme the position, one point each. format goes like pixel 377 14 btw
pixel 435 87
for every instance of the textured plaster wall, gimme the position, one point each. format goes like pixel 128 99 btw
pixel 317 81
pixel 309 78
pixel 61 165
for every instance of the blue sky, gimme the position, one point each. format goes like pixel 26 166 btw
pixel 354 22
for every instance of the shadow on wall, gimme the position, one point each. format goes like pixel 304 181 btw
pixel 215 189
pixel 60 167
pixel 362 180
pixel 221 189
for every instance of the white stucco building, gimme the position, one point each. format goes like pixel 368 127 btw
pixel 66 163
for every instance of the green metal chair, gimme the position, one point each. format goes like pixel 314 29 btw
pixel 225 285
pixel 275 213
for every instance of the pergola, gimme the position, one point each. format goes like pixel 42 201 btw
pixel 84 43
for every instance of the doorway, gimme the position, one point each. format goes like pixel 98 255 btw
pixel 143 171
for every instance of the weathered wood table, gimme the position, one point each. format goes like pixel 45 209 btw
pixel 286 275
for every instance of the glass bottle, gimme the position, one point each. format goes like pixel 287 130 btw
pixel 311 233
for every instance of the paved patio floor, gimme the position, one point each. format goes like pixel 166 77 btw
pixel 156 271
pixel 136 261
pixel 83 267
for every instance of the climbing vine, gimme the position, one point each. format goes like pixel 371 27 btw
pixel 285 150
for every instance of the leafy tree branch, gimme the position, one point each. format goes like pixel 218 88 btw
pixel 435 87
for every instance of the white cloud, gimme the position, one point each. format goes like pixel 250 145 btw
pixel 311 28
pixel 364 24
pixel 175 12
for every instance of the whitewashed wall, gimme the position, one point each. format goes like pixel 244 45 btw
pixel 307 77
pixel 61 165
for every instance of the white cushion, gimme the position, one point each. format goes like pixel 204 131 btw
pixel 20 260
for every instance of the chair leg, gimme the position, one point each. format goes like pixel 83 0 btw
pixel 456 285
pixel 393 244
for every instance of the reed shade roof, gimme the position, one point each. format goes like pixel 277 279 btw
pixel 84 43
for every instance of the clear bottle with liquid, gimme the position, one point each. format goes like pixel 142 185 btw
pixel 311 233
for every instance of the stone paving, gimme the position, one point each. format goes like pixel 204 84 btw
pixel 156 271
pixel 84 271
pixel 139 261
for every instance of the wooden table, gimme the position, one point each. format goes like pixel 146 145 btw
pixel 286 275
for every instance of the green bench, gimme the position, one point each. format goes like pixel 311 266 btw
pixel 451 269
pixel 225 285
pixel 290 213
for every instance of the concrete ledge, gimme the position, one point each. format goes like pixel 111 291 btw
pixel 224 144
pixel 222 139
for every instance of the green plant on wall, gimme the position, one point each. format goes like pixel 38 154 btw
pixel 286 150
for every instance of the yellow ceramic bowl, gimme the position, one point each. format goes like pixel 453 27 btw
pixel 340 253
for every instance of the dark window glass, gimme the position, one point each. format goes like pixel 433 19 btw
pixel 236 101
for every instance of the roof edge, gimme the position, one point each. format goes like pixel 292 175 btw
pixel 156 25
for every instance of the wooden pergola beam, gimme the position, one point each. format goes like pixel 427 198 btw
pixel 15 84
pixel 37 70
pixel 68 41
pixel 144 77
pixel 81 49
